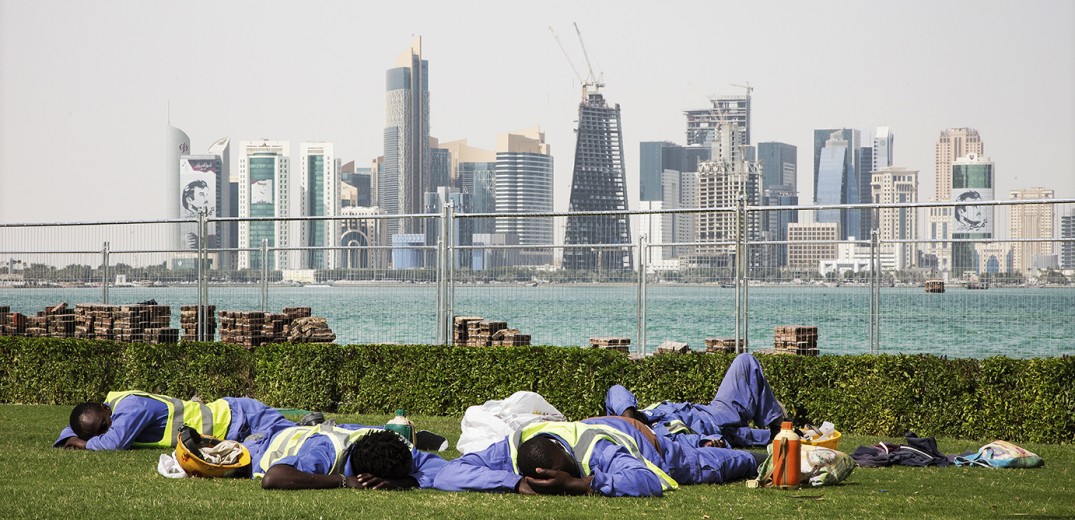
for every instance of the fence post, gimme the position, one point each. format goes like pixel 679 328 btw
pixel 741 334
pixel 104 275
pixel 264 275
pixel 449 338
pixel 202 275
pixel 875 291
pixel 643 266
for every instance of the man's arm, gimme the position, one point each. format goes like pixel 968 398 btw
pixel 285 476
pixel 486 470
pixel 618 473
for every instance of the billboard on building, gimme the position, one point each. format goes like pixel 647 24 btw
pixel 197 194
pixel 971 216
pixel 261 192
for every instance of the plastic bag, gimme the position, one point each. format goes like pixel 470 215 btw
pixel 167 466
pixel 1001 454
pixel 483 425
pixel 819 466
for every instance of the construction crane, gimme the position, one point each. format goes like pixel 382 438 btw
pixel 748 88
pixel 589 81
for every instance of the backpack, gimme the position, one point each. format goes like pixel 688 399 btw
pixel 1001 454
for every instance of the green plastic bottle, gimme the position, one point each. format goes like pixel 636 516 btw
pixel 402 425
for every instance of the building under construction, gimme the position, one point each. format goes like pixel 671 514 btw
pixel 598 184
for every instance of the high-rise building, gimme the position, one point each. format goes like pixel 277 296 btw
pixel 264 184
pixel 598 184
pixel 779 164
pixel 228 203
pixel 363 239
pixel 721 183
pixel 1067 247
pixel 357 190
pixel 704 123
pixel 405 175
pixel 661 166
pixel 319 181
pixel 810 243
pixel 472 173
pixel 972 183
pixel 524 168
pixel 881 150
pixel 1031 221
pixel 837 178
pixel 952 144
pixel 177 144
pixel 895 185
pixel 680 190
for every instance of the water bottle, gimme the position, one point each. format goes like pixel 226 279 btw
pixel 786 458
pixel 402 425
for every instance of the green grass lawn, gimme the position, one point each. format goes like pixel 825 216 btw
pixel 40 481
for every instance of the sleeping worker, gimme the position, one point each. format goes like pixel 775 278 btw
pixel 134 419
pixel 610 456
pixel 744 397
pixel 340 456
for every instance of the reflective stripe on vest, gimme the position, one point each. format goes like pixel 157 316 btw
pixel 582 438
pixel 288 442
pixel 209 419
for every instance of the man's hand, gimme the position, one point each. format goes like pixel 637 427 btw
pixel 714 443
pixel 369 481
pixel 74 443
pixel 556 482
pixel 523 487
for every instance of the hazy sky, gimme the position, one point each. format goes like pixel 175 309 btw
pixel 85 87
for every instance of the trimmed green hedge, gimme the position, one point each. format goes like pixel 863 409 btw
pixel 1017 399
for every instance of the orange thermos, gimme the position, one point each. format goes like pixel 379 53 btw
pixel 786 455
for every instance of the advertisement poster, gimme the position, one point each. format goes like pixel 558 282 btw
pixel 261 192
pixel 197 193
pixel 197 187
pixel 971 216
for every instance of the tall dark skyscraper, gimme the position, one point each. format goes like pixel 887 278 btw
pixel 598 184
pixel 405 176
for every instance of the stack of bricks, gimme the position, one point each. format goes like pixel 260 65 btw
pixel 309 329
pixel 36 326
pixel 722 345
pixel 795 339
pixel 242 328
pixel 12 324
pixel 60 321
pixel 474 331
pixel 612 343
pixel 253 329
pixel 188 321
pixel 5 312
pixel 274 328
pixel 136 323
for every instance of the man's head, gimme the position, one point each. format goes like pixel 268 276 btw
pixel 89 420
pixel 543 451
pixel 196 196
pixel 382 454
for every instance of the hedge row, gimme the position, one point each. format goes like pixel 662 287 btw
pixel 1018 399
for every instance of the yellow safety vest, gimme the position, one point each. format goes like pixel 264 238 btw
pixel 675 425
pixel 582 438
pixel 290 440
pixel 209 419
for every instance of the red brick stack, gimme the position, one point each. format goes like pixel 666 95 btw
pixel 721 345
pixel 612 343
pixel 795 339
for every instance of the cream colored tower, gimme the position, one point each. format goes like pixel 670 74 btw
pixel 952 144
pixel 895 185
pixel 1031 221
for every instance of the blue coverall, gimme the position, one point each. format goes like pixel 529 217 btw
pixel 616 472
pixel 142 419
pixel 317 455
pixel 743 396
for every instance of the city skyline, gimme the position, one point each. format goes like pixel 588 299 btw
pixel 103 77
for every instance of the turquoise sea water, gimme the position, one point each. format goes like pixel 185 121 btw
pixel 1023 322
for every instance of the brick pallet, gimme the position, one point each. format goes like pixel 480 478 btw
pixel 188 322
pixel 294 325
pixel 673 347
pixel 795 339
pixel 125 323
pixel 474 331
pixel 722 345
pixel 612 343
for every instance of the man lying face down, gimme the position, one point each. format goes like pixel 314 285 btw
pixel 349 456
pixel 610 456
